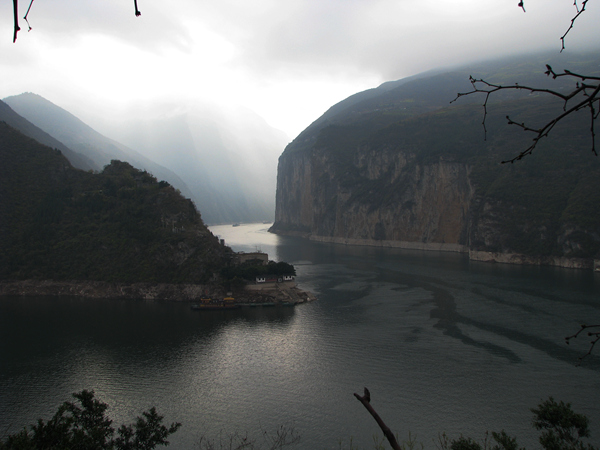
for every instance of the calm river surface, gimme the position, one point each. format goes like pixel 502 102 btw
pixel 442 343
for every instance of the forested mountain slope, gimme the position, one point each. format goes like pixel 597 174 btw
pixel 121 225
pixel 403 166
pixel 28 129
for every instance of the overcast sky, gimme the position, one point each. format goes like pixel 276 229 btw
pixel 288 60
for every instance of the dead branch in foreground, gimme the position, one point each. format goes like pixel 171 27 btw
pixel 16 16
pixel 595 335
pixel 366 401
pixel 584 96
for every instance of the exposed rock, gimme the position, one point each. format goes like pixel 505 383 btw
pixel 397 166
pixel 276 292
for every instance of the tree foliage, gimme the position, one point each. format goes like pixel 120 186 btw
pixel 562 429
pixel 249 271
pixel 120 225
pixel 83 424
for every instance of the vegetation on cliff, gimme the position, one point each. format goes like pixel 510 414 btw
pixel 120 225
pixel 402 163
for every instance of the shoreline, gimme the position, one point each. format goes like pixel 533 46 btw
pixel 474 255
pixel 152 291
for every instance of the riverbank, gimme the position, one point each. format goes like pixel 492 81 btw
pixel 474 255
pixel 280 293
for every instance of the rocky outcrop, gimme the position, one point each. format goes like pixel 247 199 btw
pixel 273 293
pixel 102 289
pixel 389 200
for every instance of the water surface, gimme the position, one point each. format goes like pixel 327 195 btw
pixel 443 344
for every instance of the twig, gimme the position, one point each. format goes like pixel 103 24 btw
pixel 27 13
pixel 137 11
pixel 582 89
pixel 16 19
pixel 595 335
pixel 366 401
pixel 579 12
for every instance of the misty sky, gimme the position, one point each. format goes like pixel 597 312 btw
pixel 288 60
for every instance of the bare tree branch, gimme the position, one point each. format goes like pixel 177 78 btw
pixel 585 95
pixel 579 12
pixel 16 19
pixel 366 401
pixel 595 335
pixel 26 14
pixel 16 16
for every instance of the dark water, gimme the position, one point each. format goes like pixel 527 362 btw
pixel 443 344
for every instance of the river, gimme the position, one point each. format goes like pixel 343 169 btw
pixel 444 344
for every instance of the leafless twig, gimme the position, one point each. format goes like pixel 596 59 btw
pixel 16 16
pixel 26 14
pixel 595 335
pixel 579 12
pixel 585 95
pixel 366 401
pixel 16 19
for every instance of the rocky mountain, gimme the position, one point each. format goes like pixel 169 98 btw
pixel 225 161
pixel 119 225
pixel 84 140
pixel 28 129
pixel 400 165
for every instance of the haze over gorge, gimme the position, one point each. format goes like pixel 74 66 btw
pixel 224 159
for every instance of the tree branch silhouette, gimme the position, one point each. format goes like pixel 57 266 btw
pixel 584 96
pixel 579 12
pixel 16 19
pixel 366 401
pixel 27 13
pixel 16 16
pixel 595 335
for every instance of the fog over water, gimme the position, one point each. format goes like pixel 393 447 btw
pixel 443 344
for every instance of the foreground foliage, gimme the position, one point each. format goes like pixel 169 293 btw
pixel 84 425
pixel 561 429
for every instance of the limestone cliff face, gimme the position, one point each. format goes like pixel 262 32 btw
pixel 398 166
pixel 384 196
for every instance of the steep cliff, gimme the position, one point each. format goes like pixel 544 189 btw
pixel 400 166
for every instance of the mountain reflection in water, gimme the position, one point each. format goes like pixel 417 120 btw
pixel 443 344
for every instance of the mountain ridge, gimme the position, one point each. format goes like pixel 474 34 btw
pixel 226 185
pixel 119 225
pixel 406 167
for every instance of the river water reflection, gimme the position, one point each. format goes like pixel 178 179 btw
pixel 444 344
